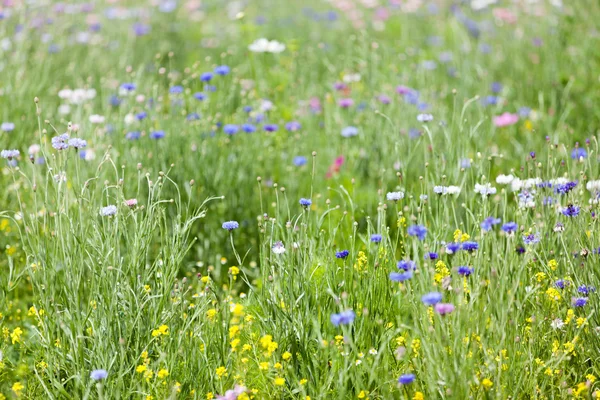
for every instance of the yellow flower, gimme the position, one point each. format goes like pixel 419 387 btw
pixel 234 270
pixel 277 366
pixel 279 381
pixel 141 368
pixel 361 262
pixel 580 321
pixel 553 294
pixel 487 384
pixel 548 371
pixel 15 336
pixel 418 396
pixel 221 371
pixel 552 264
pixel 263 366
pixel 233 330
pixel 590 378
pixel 362 394
pixel 246 347
pixel 303 381
pixel 287 355
pixel 211 313
pixel 162 374
pixel 162 330
pixel 17 387
pixel 540 276
pixel 209 396
pixel 234 344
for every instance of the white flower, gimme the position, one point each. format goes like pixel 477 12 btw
pixel 453 189
pixel 395 196
pixel 557 323
pixel 593 186
pixel 504 179
pixel 266 105
pixel 446 190
pixel 481 4
pixel 97 119
pixel 89 155
pixel 424 117
pixel 349 78
pixel 485 189
pixel 130 119
pixel 278 248
pixel 64 109
pixel 372 351
pixel 265 46
pixel 140 98
pixel 34 149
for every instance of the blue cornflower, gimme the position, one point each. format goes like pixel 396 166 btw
pixel 300 161
pixel 579 301
pixel 293 126
pixel 376 238
pixel 578 153
pixel 199 96
pixel 531 238
pixel 524 112
pixel 141 115
pixel 7 126
pixel 585 290
pixel 470 246
pixel 108 211
pixel 431 256
pixel 432 298
pixel 135 135
pixel 564 188
pixel 61 142
pixel 247 109
pixel 128 87
pixel 77 143
pixel 452 248
pixel 98 374
pixel 407 265
pixel 401 276
pixel 230 225
pixel 176 89
pixel 271 127
pixel 417 230
pixel 206 76
pixel 560 284
pixel 342 254
pixel 343 318
pixel 157 135
pixel 305 202
pixel 489 223
pixel 571 210
pixel 210 88
pixel 406 379
pixel 193 117
pixel 230 129
pixel 349 131
pixel 465 271
pixel 248 128
pixel 510 227
pixel 9 154
pixel 496 87
pixel 490 100
pixel 222 70
pixel 114 101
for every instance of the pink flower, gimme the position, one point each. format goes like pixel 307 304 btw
pixel 506 119
pixel 131 203
pixel 505 15
pixel 345 103
pixel 335 167
pixel 444 308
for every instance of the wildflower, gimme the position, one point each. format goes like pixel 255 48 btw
pixel 162 330
pixel 162 374
pixel 465 271
pixel 279 381
pixel 406 379
pixel 15 336
pixel 231 129
pixel 342 254
pixel 432 298
pixel 17 388
pixel 470 246
pixel 585 290
pixel 206 76
pixel 271 127
pixel 60 142
pixel 407 265
pixel 557 324
pixel 424 117
pixel 417 230
pixel 157 135
pixel 230 225
pixel 108 211
pixel 221 371
pixel 564 188
pixel 9 154
pixel 418 396
pixel 343 318
pixel 452 248
pixel 300 161
pixel 77 143
pixel 131 203
pixel 349 131
pixel 561 284
pixel 444 308
pixel 265 46
pixel 558 228
pixel 531 239
pixel 395 196
pixel 222 70
pixel 98 374
pixel 504 179
pixel 578 153
pixel 305 202
pixel 97 119
pixel 485 189
pixel 199 96
pixel 286 356
pixel 489 223
pixel 571 210
pixel 135 135
pixel 509 227
pixel 278 248
pixel 401 277
pixel 293 126
pixel 7 126
pixel 506 119
pixel 431 256
pixel 376 238
pixel 579 301
pixel 487 384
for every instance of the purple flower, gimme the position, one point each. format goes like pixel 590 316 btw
pixel 343 318
pixel 231 225
pixel 406 379
pixel 77 143
pixel 452 248
pixel 199 96
pixel 293 126
pixel 510 227
pixel 98 374
pixel 407 265
pixel 157 135
pixel 300 161
pixel 417 230
pixel 578 153
pixel 401 276
pixel 305 202
pixel 561 284
pixel 342 254
pixel 133 135
pixel 61 142
pixel 579 301
pixel 248 128
pixel 376 238
pixel 345 103
pixel 571 210
pixel 230 129
pixel 465 271
pixel 444 308
pixel 222 70
pixel 349 131
pixel 564 188
pixel 585 290
pixel 431 299
pixel 9 154
pixel 470 246
pixel 108 211
pixel 176 89
pixel 206 76
pixel 489 223
pixel 271 127
pixel 531 238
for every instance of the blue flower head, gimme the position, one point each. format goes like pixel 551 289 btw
pixel 98 374
pixel 270 127
pixel 230 129
pixel 579 301
pixel 452 248
pixel 407 265
pixel 300 161
pixel 342 254
pixel 376 238
pixel 157 135
pixel 305 202
pixel 231 225
pixel 206 76
pixel 465 271
pixel 199 96
pixel 406 379
pixel 489 223
pixel 417 230
pixel 431 298
pixel 470 246
pixel 509 227
pixel 401 276
pixel 176 89
pixel 343 318
pixel 578 153
pixel 571 210
pixel 222 70
pixel 249 128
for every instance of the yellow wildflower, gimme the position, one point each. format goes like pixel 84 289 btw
pixel 279 381
pixel 162 374
pixel 487 384
pixel 17 387
pixel 15 336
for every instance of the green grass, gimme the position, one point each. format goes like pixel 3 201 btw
pixel 173 306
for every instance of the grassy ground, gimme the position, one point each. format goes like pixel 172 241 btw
pixel 352 270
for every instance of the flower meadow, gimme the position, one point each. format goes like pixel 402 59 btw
pixel 341 199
